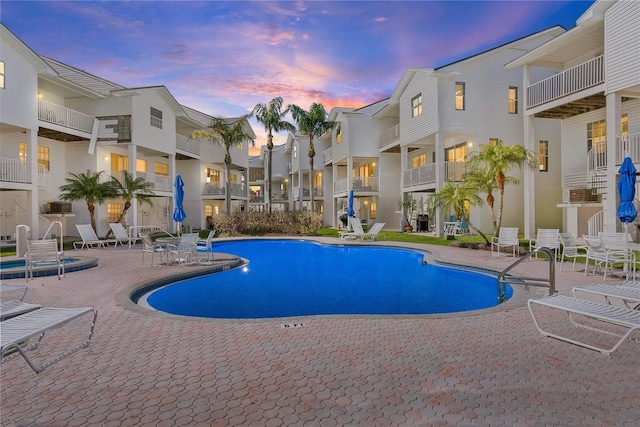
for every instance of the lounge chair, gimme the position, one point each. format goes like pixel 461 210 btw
pixel 546 238
pixel 149 246
pixel 508 237
pixel 14 288
pixel 357 232
pixel 621 316
pixel 41 252
pixel 374 231
pixel 206 245
pixel 121 234
pixel 15 332
pixel 630 296
pixel 14 307
pixel 571 249
pixel 90 239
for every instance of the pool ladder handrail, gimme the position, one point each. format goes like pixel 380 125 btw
pixel 59 236
pixel 550 282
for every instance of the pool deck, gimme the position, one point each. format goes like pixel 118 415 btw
pixel 146 368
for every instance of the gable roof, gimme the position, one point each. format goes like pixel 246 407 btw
pixel 81 78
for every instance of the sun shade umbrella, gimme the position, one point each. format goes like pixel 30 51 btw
pixel 350 211
pixel 627 191
pixel 178 197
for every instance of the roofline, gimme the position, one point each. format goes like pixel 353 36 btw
pixel 41 66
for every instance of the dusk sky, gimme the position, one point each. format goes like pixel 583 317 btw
pixel 224 57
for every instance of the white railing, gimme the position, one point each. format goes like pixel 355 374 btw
pixel 597 156
pixel 43 176
pixel 15 170
pixel 358 184
pixel 213 188
pixel 328 156
pixel 160 182
pixel 595 224
pixel 421 175
pixel 317 192
pixel 390 135
pixel 238 189
pixel 187 144
pixel 574 79
pixel 628 145
pixel 59 115
pixel 340 185
pixel 453 171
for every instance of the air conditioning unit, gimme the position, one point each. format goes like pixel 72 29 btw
pixel 59 207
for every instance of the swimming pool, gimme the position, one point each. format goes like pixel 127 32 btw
pixel 14 269
pixel 288 278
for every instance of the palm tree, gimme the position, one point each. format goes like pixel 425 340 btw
pixel 482 179
pixel 313 124
pixel 228 134
pixel 271 116
pixel 130 188
pixel 457 197
pixel 88 186
pixel 497 159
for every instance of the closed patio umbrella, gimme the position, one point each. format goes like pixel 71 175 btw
pixel 627 191
pixel 350 211
pixel 178 197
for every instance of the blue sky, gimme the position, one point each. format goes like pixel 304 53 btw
pixel 224 57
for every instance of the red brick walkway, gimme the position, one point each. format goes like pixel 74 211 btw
pixel 150 369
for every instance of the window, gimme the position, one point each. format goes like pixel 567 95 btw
pixel 43 157
pixel 365 170
pixel 460 93
pixel 317 181
pixel 22 151
pixel 141 165
pixel 295 150
pixel 213 175
pixel 493 141
pixel 339 134
pixel 624 125
pixel 119 163
pixel 544 156
pixel 513 100
pixel 416 105
pixel 113 212
pixel 156 118
pixel 1 74
pixel 233 178
pixel 208 210
pixel 596 136
pixel 161 169
pixel 373 211
pixel 418 161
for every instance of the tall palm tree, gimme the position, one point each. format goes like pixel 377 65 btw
pixel 228 134
pixel 272 117
pixel 313 124
pixel 130 188
pixel 88 186
pixel 456 197
pixel 498 159
pixel 481 178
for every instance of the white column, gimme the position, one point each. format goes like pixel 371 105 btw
pixel 439 219
pixel 529 181
pixel 614 111
pixel 33 203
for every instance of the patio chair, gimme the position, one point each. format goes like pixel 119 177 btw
pixel 206 245
pixel 508 237
pixel 14 307
pixel 43 252
pixel 185 249
pixel 374 231
pixel 606 257
pixel 546 238
pixel 14 288
pixel 357 232
pixel 571 249
pixel 90 239
pixel 628 296
pixel 121 234
pixel 17 331
pixel 153 248
pixel 575 307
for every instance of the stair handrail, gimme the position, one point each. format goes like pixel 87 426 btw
pixel 59 237
pixel 550 282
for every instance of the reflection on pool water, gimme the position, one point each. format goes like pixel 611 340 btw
pixel 287 278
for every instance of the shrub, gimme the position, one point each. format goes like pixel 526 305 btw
pixel 261 223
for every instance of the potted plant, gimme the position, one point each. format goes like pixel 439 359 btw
pixel 408 206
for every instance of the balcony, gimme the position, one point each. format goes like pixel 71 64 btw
pixel 15 170
pixel 390 135
pixel 218 189
pixel 328 156
pixel 580 77
pixel 453 171
pixel 58 115
pixel 628 145
pixel 317 192
pixel 186 144
pixel 160 182
pixel 421 175
pixel 359 184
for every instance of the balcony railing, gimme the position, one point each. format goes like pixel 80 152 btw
pixel 575 79
pixel 188 145
pixel 160 182
pixel 317 192
pixel 59 115
pixel 628 145
pixel 15 170
pixel 422 175
pixel 328 156
pixel 358 184
pixel 597 156
pixel 390 135
pixel 453 171
pixel 217 189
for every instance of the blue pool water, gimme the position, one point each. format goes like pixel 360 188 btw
pixel 14 269
pixel 287 278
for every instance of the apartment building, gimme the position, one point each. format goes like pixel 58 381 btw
pixel 58 120
pixel 280 178
pixel 595 94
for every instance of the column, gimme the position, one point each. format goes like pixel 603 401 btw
pixel 610 198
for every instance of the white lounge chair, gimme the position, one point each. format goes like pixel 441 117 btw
pixel 621 316
pixel 374 231
pixel 14 307
pixel 90 239
pixel 629 296
pixel 121 235
pixel 508 237
pixel 15 332
pixel 571 249
pixel 357 232
pixel 206 245
pixel 546 238
pixel 41 252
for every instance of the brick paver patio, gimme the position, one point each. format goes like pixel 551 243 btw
pixel 146 368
